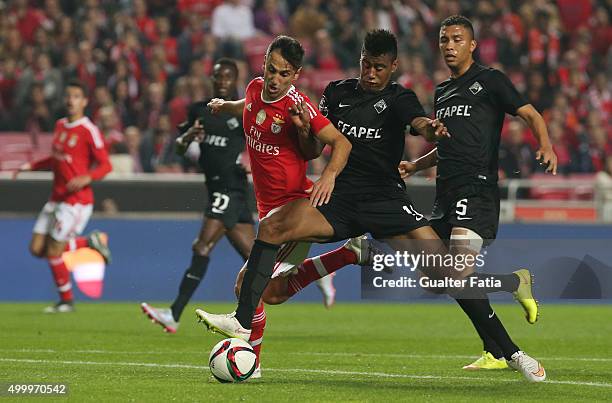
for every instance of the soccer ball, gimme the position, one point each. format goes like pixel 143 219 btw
pixel 232 360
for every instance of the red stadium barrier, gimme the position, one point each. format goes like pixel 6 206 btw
pixel 19 147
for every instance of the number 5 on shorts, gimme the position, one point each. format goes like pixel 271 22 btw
pixel 462 210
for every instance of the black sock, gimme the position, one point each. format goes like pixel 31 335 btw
pixel 191 279
pixel 481 313
pixel 507 282
pixel 488 344
pixel 256 278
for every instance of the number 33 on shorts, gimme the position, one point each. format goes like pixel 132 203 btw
pixel 220 203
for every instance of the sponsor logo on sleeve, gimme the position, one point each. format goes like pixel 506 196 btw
pixel 261 117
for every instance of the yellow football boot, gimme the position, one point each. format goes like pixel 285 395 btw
pixel 487 361
pixel 524 295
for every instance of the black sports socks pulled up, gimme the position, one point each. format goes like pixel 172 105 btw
pixel 257 276
pixel 488 344
pixel 191 279
pixel 486 321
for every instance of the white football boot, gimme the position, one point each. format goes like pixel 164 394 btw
pixel 366 249
pixel 60 307
pixel 225 324
pixel 161 316
pixel 256 373
pixel 531 369
pixel 326 285
pixel 361 247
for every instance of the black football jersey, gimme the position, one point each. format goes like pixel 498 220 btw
pixel 375 123
pixel 473 107
pixel 220 151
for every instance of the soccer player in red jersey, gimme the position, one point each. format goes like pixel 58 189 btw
pixel 283 130
pixel 369 196
pixel 78 157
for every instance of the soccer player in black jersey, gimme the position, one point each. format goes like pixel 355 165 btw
pixel 221 141
pixel 369 195
pixel 472 103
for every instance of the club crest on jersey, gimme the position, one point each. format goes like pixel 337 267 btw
pixel 249 106
pixel 233 123
pixel 476 88
pixel 73 140
pixel 261 117
pixel 277 125
pixel 380 106
pixel 62 137
pixel 275 128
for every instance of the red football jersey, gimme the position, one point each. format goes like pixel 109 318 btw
pixel 278 167
pixel 78 149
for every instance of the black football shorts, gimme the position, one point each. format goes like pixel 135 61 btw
pixel 229 206
pixel 475 207
pixel 382 214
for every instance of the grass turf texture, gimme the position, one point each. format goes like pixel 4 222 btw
pixel 354 352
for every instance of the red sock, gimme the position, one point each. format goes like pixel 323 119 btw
pixel 76 243
pixel 257 329
pixel 320 266
pixel 61 275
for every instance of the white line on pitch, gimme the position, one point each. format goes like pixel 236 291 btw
pixel 305 370
pixel 442 357
pixel 337 354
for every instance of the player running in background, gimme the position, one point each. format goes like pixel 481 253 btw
pixel 370 196
pixel 220 138
pixel 283 130
pixel 472 103
pixel 78 157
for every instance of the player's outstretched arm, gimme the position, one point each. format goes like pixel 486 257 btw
pixel 430 129
pixel 341 149
pixel 38 165
pixel 26 166
pixel 409 168
pixel 235 108
pixel 545 154
pixel 194 133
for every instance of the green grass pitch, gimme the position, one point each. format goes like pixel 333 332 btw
pixel 354 352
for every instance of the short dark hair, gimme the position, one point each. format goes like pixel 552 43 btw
pixel 227 62
pixel 379 42
pixel 458 20
pixel 290 49
pixel 73 82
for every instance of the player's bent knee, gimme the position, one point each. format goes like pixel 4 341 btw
pixel 54 248
pixel 276 291
pixel 272 231
pixel 37 251
pixel 202 248
pixel 274 299
pixel 239 279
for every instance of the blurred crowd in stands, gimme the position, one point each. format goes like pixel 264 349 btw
pixel 145 61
